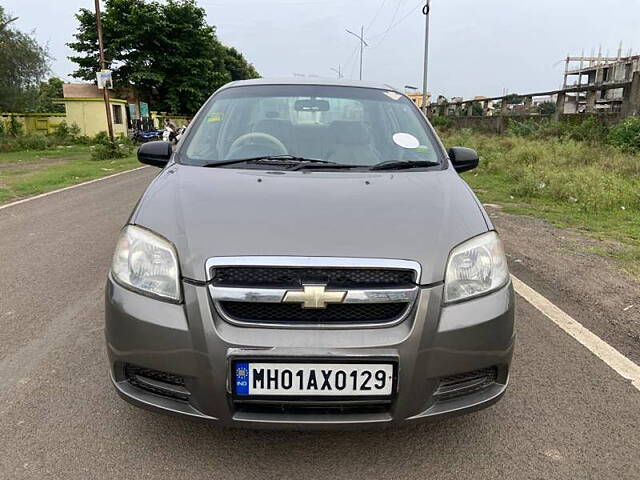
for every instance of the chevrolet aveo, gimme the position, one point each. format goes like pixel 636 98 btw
pixel 309 257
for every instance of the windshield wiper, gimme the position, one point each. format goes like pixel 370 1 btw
pixel 404 164
pixel 280 159
pixel 325 165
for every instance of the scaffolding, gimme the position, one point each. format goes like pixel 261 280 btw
pixel 594 71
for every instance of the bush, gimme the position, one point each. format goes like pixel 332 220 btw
pixel 626 134
pixel 589 130
pixel 110 150
pixel 67 132
pixel 440 121
pixel 536 128
pixel 101 138
pixel 84 140
pixel 31 142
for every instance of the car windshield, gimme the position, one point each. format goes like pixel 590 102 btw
pixel 337 124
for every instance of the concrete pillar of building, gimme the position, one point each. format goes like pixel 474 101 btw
pixel 591 101
pixel 560 105
pixel 631 97
pixel 470 109
pixel 485 108
pixel 503 106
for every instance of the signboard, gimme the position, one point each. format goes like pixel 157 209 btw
pixel 133 111
pixel 104 79
pixel 144 109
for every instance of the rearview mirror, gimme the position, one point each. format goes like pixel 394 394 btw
pixel 311 106
pixel 155 153
pixel 463 159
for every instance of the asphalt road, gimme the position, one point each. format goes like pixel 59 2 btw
pixel 566 414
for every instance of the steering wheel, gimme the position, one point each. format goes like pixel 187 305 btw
pixel 257 141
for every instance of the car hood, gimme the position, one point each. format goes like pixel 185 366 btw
pixel 211 212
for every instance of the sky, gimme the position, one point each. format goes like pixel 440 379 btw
pixel 475 47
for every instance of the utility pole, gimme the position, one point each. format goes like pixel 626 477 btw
pixel 362 45
pixel 425 11
pixel 103 65
pixel 338 71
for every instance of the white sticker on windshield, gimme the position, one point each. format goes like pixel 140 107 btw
pixel 405 140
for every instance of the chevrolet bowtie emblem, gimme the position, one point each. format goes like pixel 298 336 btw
pixel 314 296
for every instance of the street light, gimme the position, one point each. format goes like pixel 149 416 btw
pixel 425 10
pixel 338 71
pixel 362 44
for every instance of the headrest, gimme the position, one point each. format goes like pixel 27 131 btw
pixel 349 133
pixel 274 126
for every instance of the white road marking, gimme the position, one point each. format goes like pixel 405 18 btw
pixel 24 200
pixel 601 349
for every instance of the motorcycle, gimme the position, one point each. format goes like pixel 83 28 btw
pixel 141 136
pixel 173 136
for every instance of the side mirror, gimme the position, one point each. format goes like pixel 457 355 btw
pixel 463 159
pixel 155 153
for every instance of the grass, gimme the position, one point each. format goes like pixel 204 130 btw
pixel 18 179
pixel 37 155
pixel 591 188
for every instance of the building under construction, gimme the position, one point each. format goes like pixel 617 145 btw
pixel 597 71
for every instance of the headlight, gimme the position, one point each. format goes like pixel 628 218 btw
pixel 146 262
pixel 476 267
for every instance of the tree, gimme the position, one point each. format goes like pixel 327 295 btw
pixel 23 63
pixel 547 108
pixel 513 99
pixel 476 109
pixel 237 66
pixel 48 92
pixel 164 50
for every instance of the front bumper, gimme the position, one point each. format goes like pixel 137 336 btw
pixel 191 341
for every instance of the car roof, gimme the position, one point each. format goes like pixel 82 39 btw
pixel 310 81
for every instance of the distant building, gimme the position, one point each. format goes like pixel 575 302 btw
pixel 596 71
pixel 417 98
pixel 84 104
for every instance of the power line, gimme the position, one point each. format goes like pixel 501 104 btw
pixel 375 17
pixel 350 59
pixel 391 27
pixel 393 18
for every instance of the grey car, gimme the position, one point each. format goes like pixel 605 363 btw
pixel 309 257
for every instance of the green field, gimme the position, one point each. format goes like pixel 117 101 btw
pixel 594 189
pixel 27 173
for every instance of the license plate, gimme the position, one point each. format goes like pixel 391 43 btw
pixel 313 379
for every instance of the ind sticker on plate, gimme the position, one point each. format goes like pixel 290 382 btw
pixel 242 378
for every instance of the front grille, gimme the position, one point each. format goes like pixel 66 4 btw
pixel 294 277
pixel 333 313
pixel 158 382
pixel 454 386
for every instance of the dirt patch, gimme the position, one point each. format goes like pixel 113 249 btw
pixel 591 288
